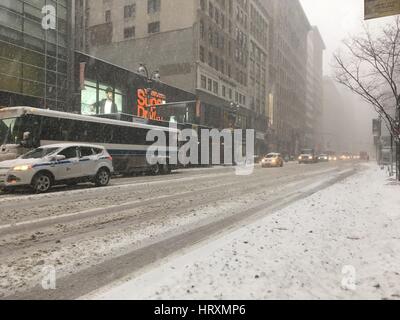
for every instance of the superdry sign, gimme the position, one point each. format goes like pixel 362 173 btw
pixel 381 8
pixel 147 104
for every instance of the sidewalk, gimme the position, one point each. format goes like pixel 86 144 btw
pixel 341 243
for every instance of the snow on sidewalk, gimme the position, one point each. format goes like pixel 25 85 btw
pixel 341 243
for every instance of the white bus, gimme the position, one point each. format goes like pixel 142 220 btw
pixel 25 128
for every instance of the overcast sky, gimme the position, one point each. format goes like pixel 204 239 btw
pixel 336 19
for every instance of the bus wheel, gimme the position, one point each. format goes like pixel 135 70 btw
pixel 102 178
pixel 156 170
pixel 42 183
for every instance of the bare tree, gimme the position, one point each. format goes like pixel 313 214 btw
pixel 371 68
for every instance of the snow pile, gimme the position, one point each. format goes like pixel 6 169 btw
pixel 340 243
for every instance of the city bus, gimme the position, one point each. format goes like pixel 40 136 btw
pixel 25 128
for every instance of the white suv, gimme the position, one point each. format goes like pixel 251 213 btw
pixel 57 165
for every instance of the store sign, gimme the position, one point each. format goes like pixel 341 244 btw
pixel 381 8
pixel 147 104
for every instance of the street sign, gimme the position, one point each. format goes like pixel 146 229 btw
pixel 381 8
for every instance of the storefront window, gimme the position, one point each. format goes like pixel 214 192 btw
pixel 108 102
pixel 88 98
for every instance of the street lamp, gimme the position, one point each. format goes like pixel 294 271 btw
pixel 151 77
pixel 235 109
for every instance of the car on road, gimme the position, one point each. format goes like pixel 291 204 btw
pixel 57 164
pixel 308 156
pixel 323 158
pixel 272 160
pixel 345 156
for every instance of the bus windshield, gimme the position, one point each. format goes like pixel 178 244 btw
pixel 6 131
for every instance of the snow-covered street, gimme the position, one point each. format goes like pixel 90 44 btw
pixel 340 243
pixel 82 239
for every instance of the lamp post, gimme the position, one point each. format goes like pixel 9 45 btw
pixel 234 107
pixel 151 77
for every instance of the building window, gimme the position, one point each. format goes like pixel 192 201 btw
pixel 154 27
pixel 153 6
pixel 210 59
pixel 215 87
pixel 230 94
pixel 202 57
pixel 209 85
pixel 108 16
pixel 129 11
pixel 203 5
pixel 91 105
pixel 224 91
pixel 211 10
pixel 203 82
pixel 129 32
pixel 202 30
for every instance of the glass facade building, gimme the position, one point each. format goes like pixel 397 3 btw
pixel 33 60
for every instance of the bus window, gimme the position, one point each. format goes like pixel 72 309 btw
pixel 7 130
pixel 51 129
pixel 12 130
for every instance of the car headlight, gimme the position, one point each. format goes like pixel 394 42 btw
pixel 22 168
pixel 299 158
pixel 310 158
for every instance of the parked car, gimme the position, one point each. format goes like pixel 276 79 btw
pixel 59 164
pixel 272 160
pixel 323 158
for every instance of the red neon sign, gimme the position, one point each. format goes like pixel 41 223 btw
pixel 147 106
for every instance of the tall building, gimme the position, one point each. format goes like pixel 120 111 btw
pixel 288 75
pixel 215 49
pixel 36 53
pixel 314 98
